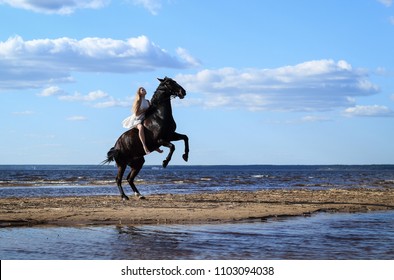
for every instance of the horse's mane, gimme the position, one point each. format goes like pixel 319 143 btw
pixel 154 102
pixel 156 95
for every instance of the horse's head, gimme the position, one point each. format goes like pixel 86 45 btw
pixel 172 87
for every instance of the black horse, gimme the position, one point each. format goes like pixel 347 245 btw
pixel 160 129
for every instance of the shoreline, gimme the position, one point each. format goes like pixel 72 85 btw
pixel 218 207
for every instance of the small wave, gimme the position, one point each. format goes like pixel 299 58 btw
pixel 260 176
pixel 205 179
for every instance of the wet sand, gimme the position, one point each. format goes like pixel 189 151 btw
pixel 219 207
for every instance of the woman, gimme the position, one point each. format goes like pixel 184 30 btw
pixel 139 108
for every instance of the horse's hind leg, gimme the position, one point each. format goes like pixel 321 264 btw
pixel 119 176
pixel 135 169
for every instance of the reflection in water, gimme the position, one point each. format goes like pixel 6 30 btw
pixel 153 242
pixel 322 236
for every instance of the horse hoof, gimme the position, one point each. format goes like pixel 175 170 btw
pixel 139 195
pixel 165 163
pixel 125 197
pixel 185 157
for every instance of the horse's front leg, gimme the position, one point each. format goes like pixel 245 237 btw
pixel 177 137
pixel 169 156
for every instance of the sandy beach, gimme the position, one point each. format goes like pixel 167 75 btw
pixel 192 208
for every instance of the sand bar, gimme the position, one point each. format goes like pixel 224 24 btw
pixel 219 207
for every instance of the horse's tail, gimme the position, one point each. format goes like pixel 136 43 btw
pixel 111 155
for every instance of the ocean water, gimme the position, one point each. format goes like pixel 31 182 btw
pixel 69 180
pixel 322 236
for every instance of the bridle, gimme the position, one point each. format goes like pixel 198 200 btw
pixel 172 96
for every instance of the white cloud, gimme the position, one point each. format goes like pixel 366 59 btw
pixel 153 6
pixel 56 6
pixel 77 118
pixel 184 54
pixel 36 63
pixel 65 7
pixel 96 99
pixel 315 119
pixel 24 113
pixel 114 102
pixel 50 91
pixel 310 86
pixel 91 96
pixel 369 111
pixel 387 3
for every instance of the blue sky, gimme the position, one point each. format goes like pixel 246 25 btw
pixel 268 82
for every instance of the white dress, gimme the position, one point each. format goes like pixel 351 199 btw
pixel 132 121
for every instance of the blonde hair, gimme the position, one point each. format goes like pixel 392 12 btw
pixel 137 101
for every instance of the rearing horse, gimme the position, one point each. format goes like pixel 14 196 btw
pixel 159 126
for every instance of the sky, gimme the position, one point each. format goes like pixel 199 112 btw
pixel 267 82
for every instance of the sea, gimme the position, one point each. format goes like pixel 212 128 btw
pixel 358 236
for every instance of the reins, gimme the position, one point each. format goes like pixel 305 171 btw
pixel 156 104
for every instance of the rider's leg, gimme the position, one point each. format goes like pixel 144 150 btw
pixel 141 134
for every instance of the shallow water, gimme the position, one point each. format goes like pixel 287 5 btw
pixel 322 236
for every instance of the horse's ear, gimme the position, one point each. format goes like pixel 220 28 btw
pixel 160 80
